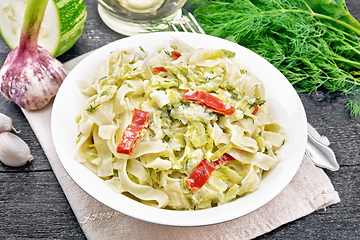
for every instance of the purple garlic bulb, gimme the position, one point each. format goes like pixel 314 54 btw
pixel 31 78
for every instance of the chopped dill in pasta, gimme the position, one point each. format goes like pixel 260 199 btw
pixel 208 138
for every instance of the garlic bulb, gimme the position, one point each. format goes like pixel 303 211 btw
pixel 5 123
pixel 31 76
pixel 13 150
pixel 31 80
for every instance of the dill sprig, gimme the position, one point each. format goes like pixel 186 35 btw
pixel 314 43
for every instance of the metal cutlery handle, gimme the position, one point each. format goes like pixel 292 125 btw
pixel 320 154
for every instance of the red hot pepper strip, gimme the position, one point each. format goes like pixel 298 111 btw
pixel 203 170
pixel 256 108
pixel 224 159
pixel 200 175
pixel 175 54
pixel 158 70
pixel 211 102
pixel 132 133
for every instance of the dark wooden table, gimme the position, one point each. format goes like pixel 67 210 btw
pixel 33 205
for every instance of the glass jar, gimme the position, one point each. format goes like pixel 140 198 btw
pixel 129 17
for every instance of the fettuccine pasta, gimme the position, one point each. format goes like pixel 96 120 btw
pixel 209 135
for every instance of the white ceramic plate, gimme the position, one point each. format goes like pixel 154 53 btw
pixel 284 104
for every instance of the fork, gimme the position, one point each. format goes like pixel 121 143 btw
pixel 320 154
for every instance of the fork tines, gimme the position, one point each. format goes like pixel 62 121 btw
pixel 188 25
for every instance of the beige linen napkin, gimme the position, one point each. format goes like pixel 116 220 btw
pixel 309 191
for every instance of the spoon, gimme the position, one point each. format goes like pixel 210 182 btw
pixel 320 154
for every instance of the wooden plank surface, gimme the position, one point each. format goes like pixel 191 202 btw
pixel 32 204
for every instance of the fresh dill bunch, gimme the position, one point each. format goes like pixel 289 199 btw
pixel 314 43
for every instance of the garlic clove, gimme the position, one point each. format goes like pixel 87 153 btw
pixel 5 123
pixel 13 150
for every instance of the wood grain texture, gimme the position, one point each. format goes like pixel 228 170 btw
pixel 32 204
